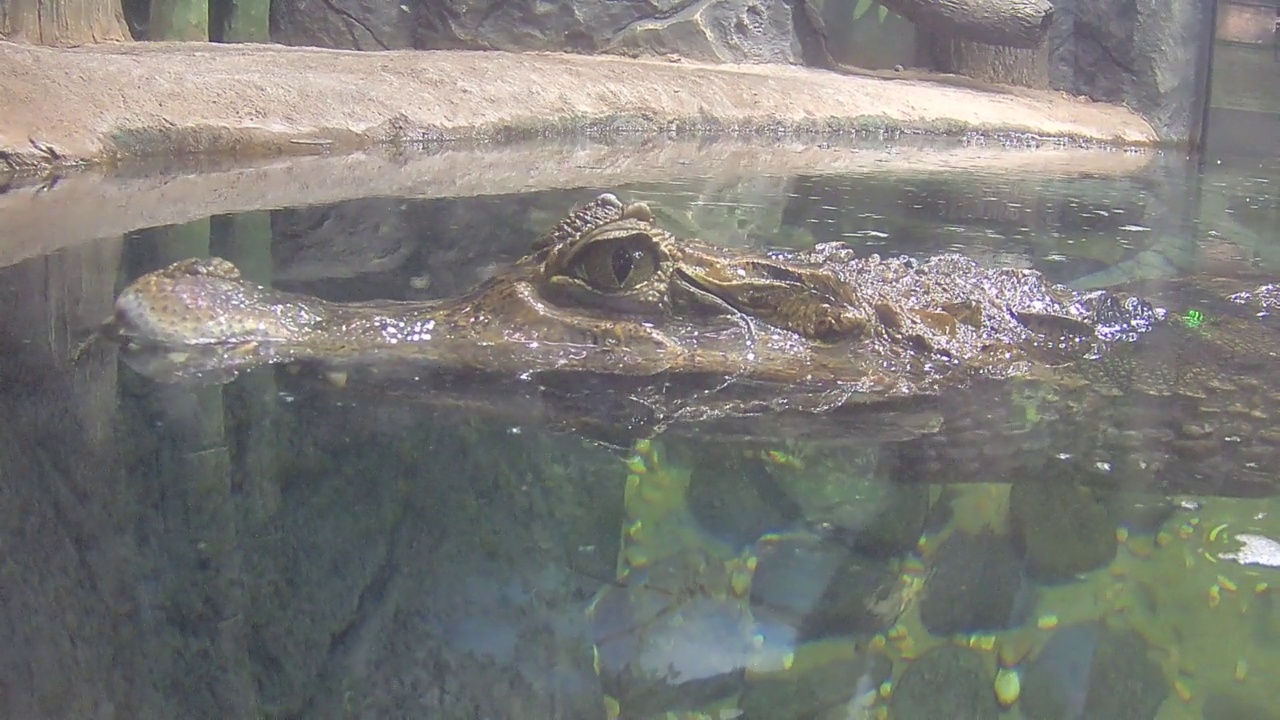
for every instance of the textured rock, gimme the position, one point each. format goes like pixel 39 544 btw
pixel 571 25
pixel 808 587
pixel 346 24
pixel 717 31
pixel 734 498
pixel 1220 706
pixel 963 674
pixel 720 30
pixel 976 586
pixel 1063 529
pixel 464 605
pixel 1093 671
pixel 663 654
pixel 1146 54
pixel 1141 512
pixel 813 690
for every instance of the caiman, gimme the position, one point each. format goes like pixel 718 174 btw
pixel 612 325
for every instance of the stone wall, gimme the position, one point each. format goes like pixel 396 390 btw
pixel 1149 55
pixel 708 30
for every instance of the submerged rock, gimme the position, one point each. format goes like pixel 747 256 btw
pixel 658 652
pixel 977 585
pixel 355 238
pixel 818 588
pixel 946 682
pixel 805 693
pixel 1221 706
pixel 898 527
pixel 735 499
pixel 1063 529
pixel 1092 671
pixel 1142 513
pixel 854 494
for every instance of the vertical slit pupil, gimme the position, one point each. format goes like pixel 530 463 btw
pixel 623 262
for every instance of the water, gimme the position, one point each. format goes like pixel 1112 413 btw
pixel 283 548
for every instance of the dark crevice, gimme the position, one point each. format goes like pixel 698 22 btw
pixel 354 20
pixel 1088 32
pixel 814 51
pixel 489 13
pixel 373 598
pixel 675 10
pixel 1066 38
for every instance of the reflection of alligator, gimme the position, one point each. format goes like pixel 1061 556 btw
pixel 614 323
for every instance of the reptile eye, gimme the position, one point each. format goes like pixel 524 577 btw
pixel 619 263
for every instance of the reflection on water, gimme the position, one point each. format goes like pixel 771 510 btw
pixel 273 549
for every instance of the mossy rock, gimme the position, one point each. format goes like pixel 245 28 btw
pixel 820 588
pixel 809 692
pixel 734 497
pixel 1062 528
pixel 946 683
pixel 976 586
pixel 1221 706
pixel 1143 513
pixel 1093 671
pixel 855 494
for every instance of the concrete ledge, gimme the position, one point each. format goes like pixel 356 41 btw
pixel 117 103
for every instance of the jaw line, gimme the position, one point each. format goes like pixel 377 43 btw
pixel 708 290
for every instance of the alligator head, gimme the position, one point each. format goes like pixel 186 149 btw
pixel 608 291
pixel 611 323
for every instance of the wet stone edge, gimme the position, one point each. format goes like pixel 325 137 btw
pixel 138 144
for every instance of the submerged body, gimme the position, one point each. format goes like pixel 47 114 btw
pixel 673 331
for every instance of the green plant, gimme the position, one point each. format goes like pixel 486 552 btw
pixel 864 5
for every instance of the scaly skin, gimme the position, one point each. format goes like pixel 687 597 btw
pixel 609 291
pixel 817 345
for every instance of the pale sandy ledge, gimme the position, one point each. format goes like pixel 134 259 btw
pixel 116 103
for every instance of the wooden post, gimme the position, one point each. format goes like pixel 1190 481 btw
pixel 62 23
